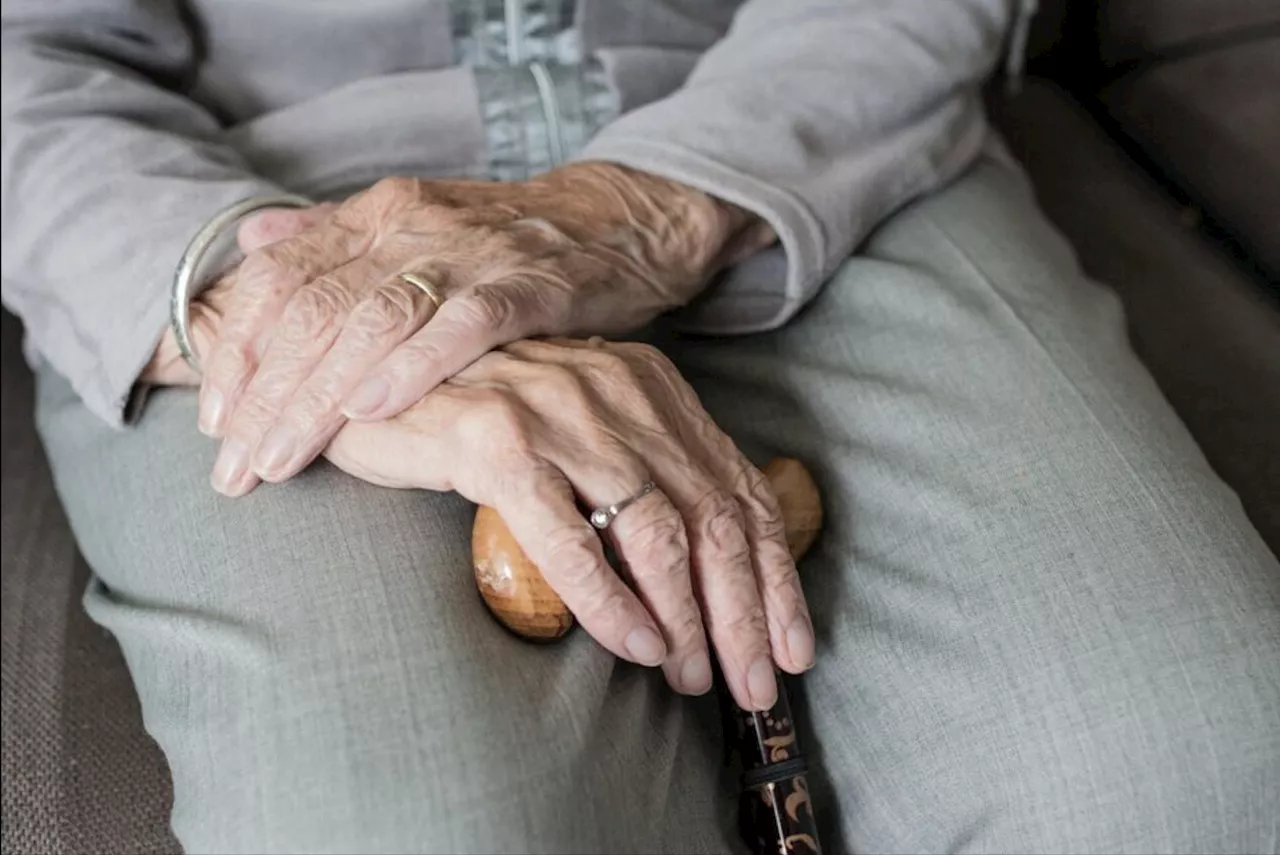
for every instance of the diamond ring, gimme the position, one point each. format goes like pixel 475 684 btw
pixel 602 517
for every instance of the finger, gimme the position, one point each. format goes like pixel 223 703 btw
pixel 724 579
pixel 167 367
pixel 269 225
pixel 378 323
pixel 723 572
pixel 790 626
pixel 420 450
pixel 539 509
pixel 650 540
pixel 782 597
pixel 266 282
pixel 304 334
pixel 464 329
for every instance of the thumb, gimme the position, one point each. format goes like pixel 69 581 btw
pixel 272 224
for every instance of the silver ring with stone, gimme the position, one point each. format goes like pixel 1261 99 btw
pixel 602 517
pixel 182 290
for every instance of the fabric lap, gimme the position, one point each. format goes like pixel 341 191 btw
pixel 1043 622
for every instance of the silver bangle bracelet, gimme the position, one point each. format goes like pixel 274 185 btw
pixel 181 294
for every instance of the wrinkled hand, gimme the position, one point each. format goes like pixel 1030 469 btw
pixel 320 327
pixel 167 367
pixel 536 427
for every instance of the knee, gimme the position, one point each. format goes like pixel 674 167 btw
pixel 337 686
pixel 390 746
pixel 1180 761
pixel 1158 737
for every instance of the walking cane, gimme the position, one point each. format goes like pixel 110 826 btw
pixel 775 812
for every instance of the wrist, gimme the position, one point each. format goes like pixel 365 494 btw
pixel 685 234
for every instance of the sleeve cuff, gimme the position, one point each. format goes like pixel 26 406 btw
pixel 767 289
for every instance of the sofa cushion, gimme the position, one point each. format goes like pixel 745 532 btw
pixel 79 773
pixel 1211 123
pixel 1129 30
pixel 1208 333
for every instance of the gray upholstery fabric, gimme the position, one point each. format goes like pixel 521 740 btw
pixel 1212 123
pixel 1135 29
pixel 1208 334
pixel 79 773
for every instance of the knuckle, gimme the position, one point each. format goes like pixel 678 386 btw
pixel 254 414
pixel 264 264
pixel 769 524
pixel 537 231
pixel 483 310
pixel 722 521
pixel 414 357
pixel 501 245
pixel 499 423
pixel 558 383
pixel 312 314
pixel 313 406
pixel 271 269
pixel 747 623
pixel 660 547
pixel 612 369
pixel 783 587
pixel 571 558
pixel 688 629
pixel 600 599
pixel 231 360
pixel 387 310
pixel 645 355
pixel 392 191
pixel 762 505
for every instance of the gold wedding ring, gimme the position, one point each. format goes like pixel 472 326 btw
pixel 425 285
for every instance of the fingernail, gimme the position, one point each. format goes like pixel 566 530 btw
pixel 367 397
pixel 276 450
pixel 645 647
pixel 230 466
pixel 762 685
pixel 800 643
pixel 211 407
pixel 695 674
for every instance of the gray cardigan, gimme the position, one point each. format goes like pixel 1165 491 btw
pixel 128 123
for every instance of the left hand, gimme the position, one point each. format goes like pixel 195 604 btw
pixel 320 327
pixel 167 367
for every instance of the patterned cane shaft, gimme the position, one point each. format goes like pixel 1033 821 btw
pixel 775 814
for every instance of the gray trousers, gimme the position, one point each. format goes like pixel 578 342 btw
pixel 1044 623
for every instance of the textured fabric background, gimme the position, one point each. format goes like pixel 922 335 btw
pixel 1210 122
pixel 79 774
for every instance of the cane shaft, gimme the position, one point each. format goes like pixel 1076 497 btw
pixel 775 814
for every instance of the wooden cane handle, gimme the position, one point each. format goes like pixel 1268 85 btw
pixel 520 598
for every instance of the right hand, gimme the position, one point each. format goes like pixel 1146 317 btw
pixel 539 426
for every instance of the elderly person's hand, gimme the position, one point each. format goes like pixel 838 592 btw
pixel 167 367
pixel 537 427
pixel 321 326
